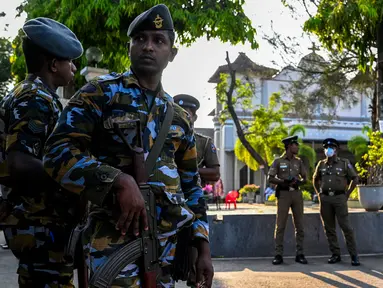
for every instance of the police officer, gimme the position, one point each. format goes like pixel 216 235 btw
pixel 87 156
pixel 207 158
pixel 330 181
pixel 288 172
pixel 37 233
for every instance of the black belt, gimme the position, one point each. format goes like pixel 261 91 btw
pixel 332 193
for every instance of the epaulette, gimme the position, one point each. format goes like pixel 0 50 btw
pixel 108 77
pixel 201 135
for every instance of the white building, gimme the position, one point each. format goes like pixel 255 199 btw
pixel 349 122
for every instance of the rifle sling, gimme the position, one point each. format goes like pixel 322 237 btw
pixel 160 140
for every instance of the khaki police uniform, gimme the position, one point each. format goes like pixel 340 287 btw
pixel 284 169
pixel 206 153
pixel 333 183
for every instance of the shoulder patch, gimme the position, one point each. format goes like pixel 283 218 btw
pixel 213 148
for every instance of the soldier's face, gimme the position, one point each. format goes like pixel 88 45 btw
pixel 193 115
pixel 294 148
pixel 151 51
pixel 64 71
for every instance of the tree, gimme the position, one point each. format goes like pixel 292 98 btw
pixel 349 28
pixel 258 140
pixel 306 152
pixel 265 133
pixel 5 65
pixel 319 86
pixel 358 145
pixel 104 23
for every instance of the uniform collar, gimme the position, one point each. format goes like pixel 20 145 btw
pixel 131 80
pixel 336 159
pixel 284 155
pixel 38 80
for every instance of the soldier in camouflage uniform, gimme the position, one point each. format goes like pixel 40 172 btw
pixel 207 159
pixel 86 156
pixel 330 181
pixel 35 230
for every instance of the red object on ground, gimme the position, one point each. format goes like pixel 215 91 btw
pixel 231 197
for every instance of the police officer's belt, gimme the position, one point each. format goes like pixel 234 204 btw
pixel 332 193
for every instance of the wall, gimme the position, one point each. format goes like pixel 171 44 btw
pixel 253 235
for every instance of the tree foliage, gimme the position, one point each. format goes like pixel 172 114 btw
pixel 343 62
pixel 265 133
pixel 348 26
pixel 5 65
pixel 358 145
pixel 104 23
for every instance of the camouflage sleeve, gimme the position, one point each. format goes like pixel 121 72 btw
pixel 211 156
pixel 186 160
pixel 67 158
pixel 29 119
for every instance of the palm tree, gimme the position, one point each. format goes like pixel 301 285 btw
pixel 305 151
pixel 358 145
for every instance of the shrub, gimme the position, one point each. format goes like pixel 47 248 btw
pixel 272 198
pixel 306 195
pixel 354 195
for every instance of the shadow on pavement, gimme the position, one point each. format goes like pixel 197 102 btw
pixel 333 282
pixel 353 280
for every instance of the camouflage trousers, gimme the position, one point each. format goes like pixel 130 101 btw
pixel 103 240
pixel 40 251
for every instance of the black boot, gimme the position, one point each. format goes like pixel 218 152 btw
pixel 355 261
pixel 278 259
pixel 301 259
pixel 334 259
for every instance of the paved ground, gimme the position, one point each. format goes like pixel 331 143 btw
pixel 232 273
pixel 246 273
pixel 251 209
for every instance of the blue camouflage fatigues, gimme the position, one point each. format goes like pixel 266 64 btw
pixel 34 231
pixel 85 155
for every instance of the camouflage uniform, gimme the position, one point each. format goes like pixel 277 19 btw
pixel 85 155
pixel 34 231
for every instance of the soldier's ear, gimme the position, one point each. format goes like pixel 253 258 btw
pixel 173 54
pixel 52 65
pixel 195 117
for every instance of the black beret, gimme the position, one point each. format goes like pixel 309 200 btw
pixel 290 140
pixel 186 101
pixel 330 142
pixel 156 18
pixel 53 37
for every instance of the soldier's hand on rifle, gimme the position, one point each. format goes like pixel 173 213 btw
pixel 132 205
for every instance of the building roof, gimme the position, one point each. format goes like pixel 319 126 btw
pixel 243 64
pixel 312 61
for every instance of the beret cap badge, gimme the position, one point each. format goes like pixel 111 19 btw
pixel 158 21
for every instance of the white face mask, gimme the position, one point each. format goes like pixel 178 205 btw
pixel 329 152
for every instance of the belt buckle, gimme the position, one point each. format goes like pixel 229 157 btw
pixel 331 193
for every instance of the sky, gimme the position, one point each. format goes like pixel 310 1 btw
pixel 190 71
